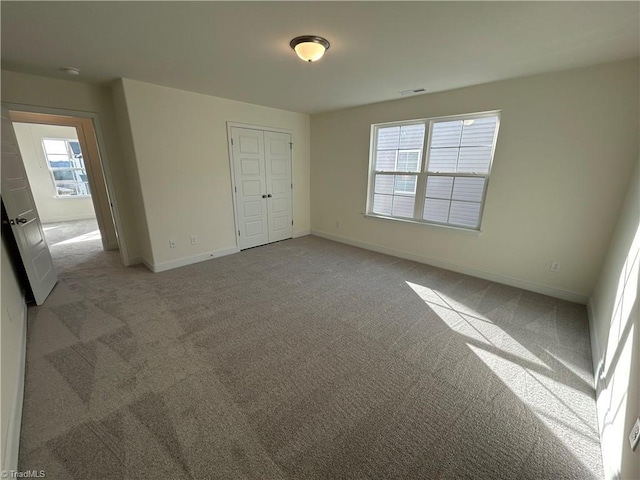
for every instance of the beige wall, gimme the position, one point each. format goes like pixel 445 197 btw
pixel 12 334
pixel 180 144
pixel 148 132
pixel 567 145
pixel 50 207
pixel 36 91
pixel 136 204
pixel 614 315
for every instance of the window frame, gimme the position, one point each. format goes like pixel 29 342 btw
pixel 423 173
pixel 74 169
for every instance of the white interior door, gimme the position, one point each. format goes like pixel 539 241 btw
pixel 277 148
pixel 21 210
pixel 250 185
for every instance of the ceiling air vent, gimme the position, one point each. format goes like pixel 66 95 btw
pixel 415 91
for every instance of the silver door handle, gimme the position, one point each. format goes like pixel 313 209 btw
pixel 21 220
pixel 269 195
pixel 264 196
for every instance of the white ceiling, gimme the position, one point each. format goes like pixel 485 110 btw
pixel 240 50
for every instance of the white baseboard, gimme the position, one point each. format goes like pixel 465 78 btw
pixel 133 261
pixel 11 448
pixel 148 264
pixel 226 251
pixel 301 233
pixel 66 218
pixel 494 277
pixel 184 261
pixel 597 356
pixel 113 246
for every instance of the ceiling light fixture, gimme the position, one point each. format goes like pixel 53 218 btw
pixel 310 48
pixel 71 70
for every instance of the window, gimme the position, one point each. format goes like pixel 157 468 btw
pixel 64 159
pixel 443 182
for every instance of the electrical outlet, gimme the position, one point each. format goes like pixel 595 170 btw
pixel 634 436
pixel 172 244
pixel 194 240
pixel 555 266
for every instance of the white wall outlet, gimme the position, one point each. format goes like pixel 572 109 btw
pixel 634 436
pixel 555 266
pixel 172 244
pixel 194 240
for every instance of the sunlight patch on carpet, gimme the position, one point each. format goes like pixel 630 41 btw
pixel 87 237
pixel 545 377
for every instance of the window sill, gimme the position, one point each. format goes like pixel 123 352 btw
pixel 64 197
pixel 463 230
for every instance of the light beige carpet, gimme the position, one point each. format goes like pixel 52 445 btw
pixel 304 359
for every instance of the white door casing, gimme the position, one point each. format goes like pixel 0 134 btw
pixel 261 161
pixel 24 219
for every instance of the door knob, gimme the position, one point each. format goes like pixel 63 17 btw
pixel 264 196
pixel 21 220
pixel 269 195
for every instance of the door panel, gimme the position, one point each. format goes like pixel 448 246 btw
pixel 248 166
pixel 280 186
pixel 252 209
pixel 42 264
pixel 19 203
pixel 252 187
pixel 278 169
pixel 22 202
pixel 32 233
pixel 280 223
pixel 280 205
pixel 12 171
pixel 255 229
pixel 278 165
pixel 250 143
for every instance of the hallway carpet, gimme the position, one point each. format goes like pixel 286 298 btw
pixel 304 359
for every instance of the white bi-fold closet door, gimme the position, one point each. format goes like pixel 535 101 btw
pixel 262 185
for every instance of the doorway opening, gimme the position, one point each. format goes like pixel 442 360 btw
pixel 63 165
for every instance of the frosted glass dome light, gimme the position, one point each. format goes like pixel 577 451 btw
pixel 309 48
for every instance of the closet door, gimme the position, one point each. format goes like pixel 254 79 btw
pixel 251 187
pixel 277 148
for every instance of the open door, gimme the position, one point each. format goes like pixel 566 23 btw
pixel 23 216
pixel 91 155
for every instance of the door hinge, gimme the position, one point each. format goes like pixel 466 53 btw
pixel 291 222
pixel 231 141
pixel 292 186
pixel 290 145
pixel 235 189
pixel 238 232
